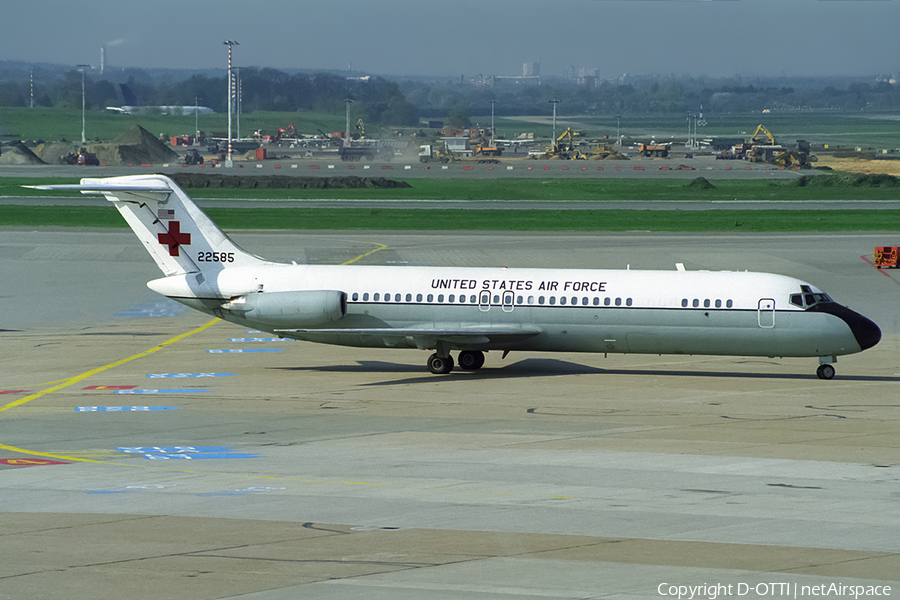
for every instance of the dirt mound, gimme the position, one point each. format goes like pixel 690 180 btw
pixel 203 180
pixel 55 153
pixel 700 183
pixel 857 165
pixel 19 154
pixel 136 146
pixel 847 181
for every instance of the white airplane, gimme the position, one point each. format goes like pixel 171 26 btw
pixel 473 310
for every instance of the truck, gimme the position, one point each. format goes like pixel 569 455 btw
pixel 432 153
pixel 355 151
pixel 652 149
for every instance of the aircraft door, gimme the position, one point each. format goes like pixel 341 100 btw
pixel 765 313
pixel 484 301
pixel 508 301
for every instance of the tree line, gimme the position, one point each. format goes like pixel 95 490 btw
pixel 404 101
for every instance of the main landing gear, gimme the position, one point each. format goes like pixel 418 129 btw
pixel 469 360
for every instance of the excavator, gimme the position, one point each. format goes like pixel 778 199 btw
pixel 762 147
pixel 565 146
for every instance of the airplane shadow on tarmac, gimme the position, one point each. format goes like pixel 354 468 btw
pixel 548 367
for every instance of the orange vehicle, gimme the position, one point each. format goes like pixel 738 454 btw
pixel 886 256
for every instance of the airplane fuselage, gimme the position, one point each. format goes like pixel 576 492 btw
pixel 631 311
pixel 473 310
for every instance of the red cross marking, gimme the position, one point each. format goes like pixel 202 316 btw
pixel 174 238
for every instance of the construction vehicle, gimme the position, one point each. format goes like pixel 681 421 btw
pixel 887 257
pixel 365 149
pixel 193 157
pixel 601 151
pixel 762 147
pixel 566 145
pixel 653 149
pixel 432 153
pixel 87 158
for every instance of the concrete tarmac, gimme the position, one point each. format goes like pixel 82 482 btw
pixel 151 452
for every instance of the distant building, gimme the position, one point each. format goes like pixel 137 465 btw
pixel 531 69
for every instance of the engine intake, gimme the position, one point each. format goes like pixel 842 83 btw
pixel 301 309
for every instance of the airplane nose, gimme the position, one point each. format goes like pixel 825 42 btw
pixel 866 332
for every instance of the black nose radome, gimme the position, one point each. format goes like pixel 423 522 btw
pixel 866 332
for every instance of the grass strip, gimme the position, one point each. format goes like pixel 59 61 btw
pixel 597 189
pixel 483 220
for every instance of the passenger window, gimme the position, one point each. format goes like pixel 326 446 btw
pixel 520 300
pixel 409 297
pixel 706 303
pixel 596 301
pixel 355 296
pixel 541 300
pixel 451 298
pixel 430 298
pixel 496 299
pixel 440 298
pixel 552 300
pixel 729 304
pixel 695 303
pixel 366 297
pixel 618 302
pixel 684 303
pixel 530 299
pixel 562 300
pixel 718 303
pixel 607 301
pixel 418 297
pixel 628 302
pixel 472 299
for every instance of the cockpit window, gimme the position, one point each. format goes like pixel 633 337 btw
pixel 808 298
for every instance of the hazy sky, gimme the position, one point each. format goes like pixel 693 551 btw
pixel 465 37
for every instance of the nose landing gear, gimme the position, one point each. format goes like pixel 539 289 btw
pixel 825 371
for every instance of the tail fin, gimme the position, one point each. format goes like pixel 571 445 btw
pixel 177 234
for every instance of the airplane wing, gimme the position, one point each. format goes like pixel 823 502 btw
pixel 494 336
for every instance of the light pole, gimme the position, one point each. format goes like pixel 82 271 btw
pixel 348 102
pixel 554 102
pixel 493 101
pixel 82 68
pixel 229 43
pixel 618 123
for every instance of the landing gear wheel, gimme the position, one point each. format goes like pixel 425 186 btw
pixel 471 360
pixel 440 365
pixel 825 372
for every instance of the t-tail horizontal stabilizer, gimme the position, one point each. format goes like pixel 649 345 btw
pixel 179 236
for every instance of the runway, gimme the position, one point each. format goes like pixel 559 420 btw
pixel 152 452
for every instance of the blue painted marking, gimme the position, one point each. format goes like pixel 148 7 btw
pixel 124 408
pixel 170 449
pixel 198 456
pixel 159 309
pixel 171 375
pixel 173 391
pixel 242 492
pixel 241 350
